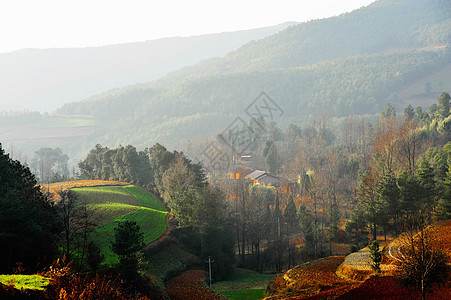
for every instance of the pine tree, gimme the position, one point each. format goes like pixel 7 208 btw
pixel 333 221
pixel 28 223
pixel 290 216
pixel 443 105
pixel 357 228
pixel 278 223
pixel 375 255
pixel 306 225
pixel 409 112
pixel 128 243
pixel 428 184
pixel 389 194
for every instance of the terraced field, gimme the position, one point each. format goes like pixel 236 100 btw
pixel 351 277
pixel 316 278
pixel 357 266
pixel 152 223
pixel 113 202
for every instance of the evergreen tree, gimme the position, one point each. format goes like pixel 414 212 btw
pixel 375 255
pixel 372 204
pixel 28 223
pixel 357 228
pixel 128 243
pixel 333 219
pixel 443 105
pixel 290 216
pixel 389 195
pixel 91 166
pixel 411 193
pixel 306 225
pixel 389 111
pixel 442 210
pixel 428 184
pixel 278 229
pixel 270 156
pixel 433 111
pixel 409 112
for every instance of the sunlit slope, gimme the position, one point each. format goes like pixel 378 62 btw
pixel 113 204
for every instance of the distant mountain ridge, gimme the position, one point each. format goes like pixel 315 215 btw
pixel 351 64
pixel 44 79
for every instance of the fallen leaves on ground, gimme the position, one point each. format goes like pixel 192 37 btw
pixel 316 278
pixel 191 286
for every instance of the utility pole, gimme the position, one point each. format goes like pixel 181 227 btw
pixel 209 261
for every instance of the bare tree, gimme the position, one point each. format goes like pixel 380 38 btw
pixel 410 145
pixel 78 224
pixel 423 263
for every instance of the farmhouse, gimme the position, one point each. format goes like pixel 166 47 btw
pixel 261 177
pixel 240 172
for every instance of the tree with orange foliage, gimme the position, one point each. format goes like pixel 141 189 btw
pixel 385 147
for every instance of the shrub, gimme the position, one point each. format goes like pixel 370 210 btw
pixel 375 255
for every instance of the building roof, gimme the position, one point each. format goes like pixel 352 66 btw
pixel 243 171
pixel 256 174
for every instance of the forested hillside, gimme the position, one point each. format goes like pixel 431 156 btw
pixel 351 64
pixel 388 52
pixel 384 26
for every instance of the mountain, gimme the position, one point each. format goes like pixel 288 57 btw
pixel 53 77
pixel 351 64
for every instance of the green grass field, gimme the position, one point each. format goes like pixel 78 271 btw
pixel 51 122
pixel 106 194
pixel 244 284
pixel 26 282
pixel 144 198
pixel 152 223
pixel 107 212
pixel 251 294
pixel 113 204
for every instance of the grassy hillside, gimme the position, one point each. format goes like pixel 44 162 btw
pixel 113 204
pixel 152 223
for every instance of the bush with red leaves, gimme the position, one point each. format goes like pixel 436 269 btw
pixel 66 285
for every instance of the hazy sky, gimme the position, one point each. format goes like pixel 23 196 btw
pixel 80 23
